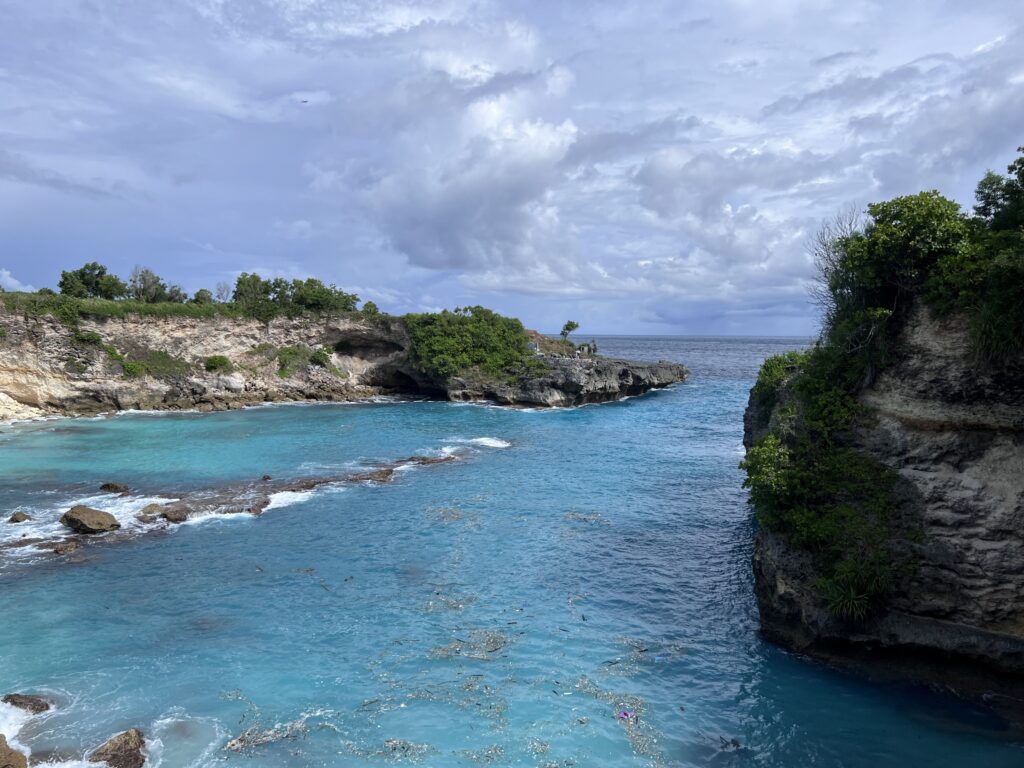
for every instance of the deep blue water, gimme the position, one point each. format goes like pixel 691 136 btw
pixel 575 591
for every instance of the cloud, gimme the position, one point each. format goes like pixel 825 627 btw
pixel 622 163
pixel 9 283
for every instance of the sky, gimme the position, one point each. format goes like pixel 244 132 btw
pixel 637 166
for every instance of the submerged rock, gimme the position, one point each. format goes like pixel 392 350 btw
pixel 10 758
pixel 33 704
pixel 82 519
pixel 18 517
pixel 122 751
pixel 114 488
pixel 66 547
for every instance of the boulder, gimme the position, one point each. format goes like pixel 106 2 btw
pixel 10 758
pixel 174 514
pixel 66 547
pixel 114 488
pixel 82 519
pixel 122 751
pixel 18 517
pixel 33 704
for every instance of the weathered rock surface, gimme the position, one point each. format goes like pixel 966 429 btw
pixel 954 433
pixel 33 704
pixel 114 488
pixel 10 758
pixel 66 547
pixel 18 517
pixel 571 381
pixel 82 519
pixel 46 369
pixel 122 751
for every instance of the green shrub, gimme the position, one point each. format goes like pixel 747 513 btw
pixel 322 357
pixel 447 344
pixel 292 359
pixel 3 332
pixel 217 363
pixel 158 364
pixel 774 372
pixel 90 338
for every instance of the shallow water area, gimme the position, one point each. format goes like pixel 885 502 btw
pixel 574 590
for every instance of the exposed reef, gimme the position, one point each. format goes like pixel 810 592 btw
pixel 109 364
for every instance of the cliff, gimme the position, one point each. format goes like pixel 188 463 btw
pixel 117 363
pixel 953 433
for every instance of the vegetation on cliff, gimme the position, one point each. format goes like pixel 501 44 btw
pixel 468 340
pixel 805 480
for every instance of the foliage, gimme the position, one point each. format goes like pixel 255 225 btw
pixel 569 327
pixel 203 296
pixel 91 281
pixel 370 308
pixel 265 299
pixel 146 286
pixel 3 332
pixel 447 344
pixel 218 364
pixel 774 372
pixel 158 364
pixel 321 357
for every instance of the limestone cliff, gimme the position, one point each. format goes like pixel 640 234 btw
pixel 954 433
pixel 119 363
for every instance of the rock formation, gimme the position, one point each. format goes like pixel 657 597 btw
pixel 82 519
pixel 10 758
pixel 34 704
pixel 953 431
pixel 122 751
pixel 47 367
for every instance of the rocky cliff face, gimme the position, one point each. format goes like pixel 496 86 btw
pixel 954 433
pixel 48 368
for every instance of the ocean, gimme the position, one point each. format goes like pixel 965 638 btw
pixel 574 590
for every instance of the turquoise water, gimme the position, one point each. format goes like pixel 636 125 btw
pixel 574 591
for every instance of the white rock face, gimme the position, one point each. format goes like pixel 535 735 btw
pixel 44 370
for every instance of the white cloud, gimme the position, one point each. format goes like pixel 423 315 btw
pixel 9 283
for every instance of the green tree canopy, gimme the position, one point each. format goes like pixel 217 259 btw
pixel 92 281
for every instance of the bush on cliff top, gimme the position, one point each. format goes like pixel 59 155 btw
pixel 829 499
pixel 446 344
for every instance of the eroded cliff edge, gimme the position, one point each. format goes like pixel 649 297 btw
pixel 953 433
pixel 118 363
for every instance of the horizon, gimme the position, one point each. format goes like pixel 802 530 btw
pixel 640 168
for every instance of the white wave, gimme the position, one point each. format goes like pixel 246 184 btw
pixel 288 498
pixel 490 442
pixel 12 720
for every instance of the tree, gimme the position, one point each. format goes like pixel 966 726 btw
pixel 369 308
pixel 92 281
pixel 223 292
pixel 251 289
pixel 176 294
pixel 146 286
pixel 203 296
pixel 568 328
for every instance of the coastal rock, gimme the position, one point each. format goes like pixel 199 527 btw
pixel 954 434
pixel 370 356
pixel 33 704
pixel 10 758
pixel 571 382
pixel 114 488
pixel 122 751
pixel 82 519
pixel 66 547
pixel 174 514
pixel 18 517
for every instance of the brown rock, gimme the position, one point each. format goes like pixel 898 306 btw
pixel 265 478
pixel 174 514
pixel 66 547
pixel 18 517
pixel 114 488
pixel 122 751
pixel 33 704
pixel 9 758
pixel 84 519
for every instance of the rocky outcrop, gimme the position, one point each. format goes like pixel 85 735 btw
pixel 82 519
pixel 47 367
pixel 10 758
pixel 570 381
pixel 122 751
pixel 18 517
pixel 954 433
pixel 34 704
